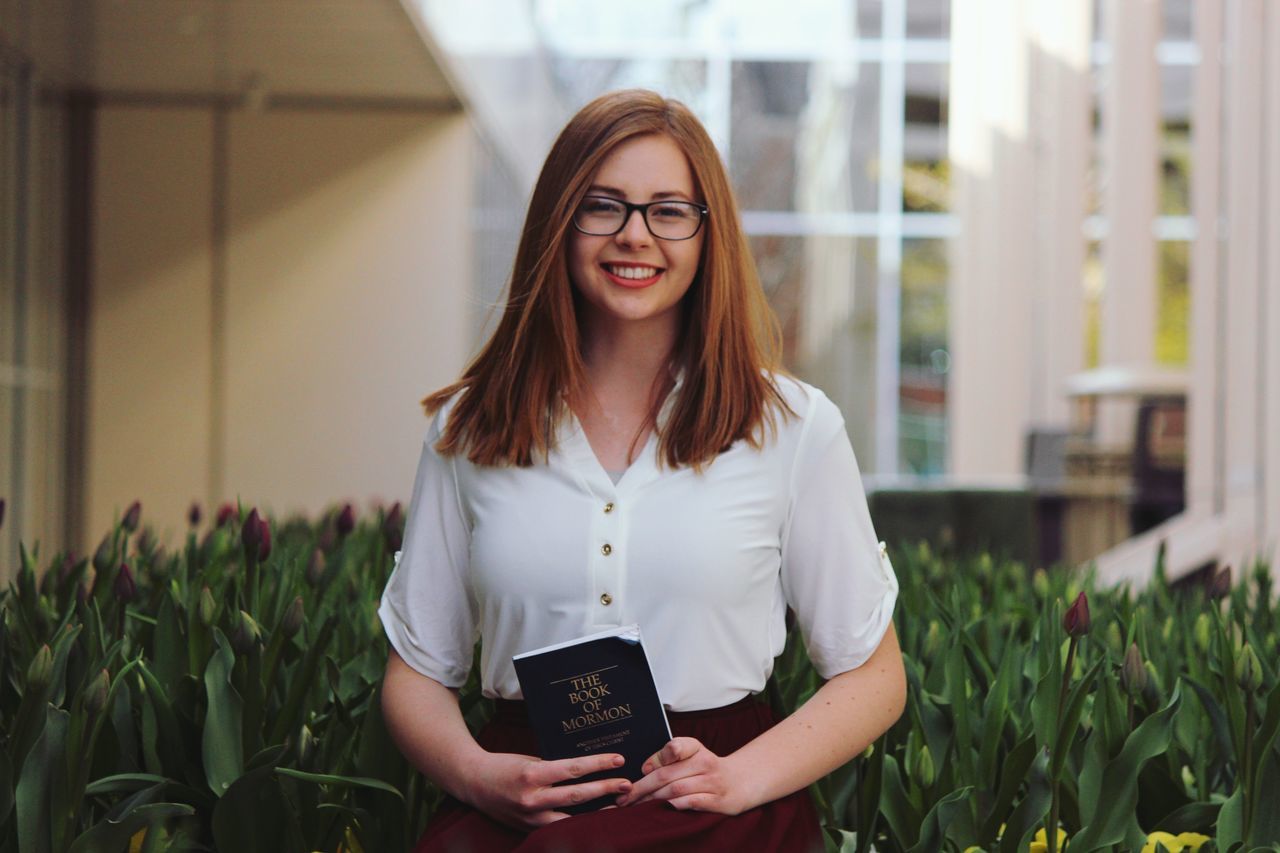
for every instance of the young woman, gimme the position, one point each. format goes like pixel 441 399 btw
pixel 625 449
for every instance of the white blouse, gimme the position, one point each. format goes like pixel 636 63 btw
pixel 706 563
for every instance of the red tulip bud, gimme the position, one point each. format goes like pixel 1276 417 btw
pixel 226 513
pixel 132 516
pixel 194 515
pixel 1076 620
pixel 346 521
pixel 264 537
pixel 251 535
pixel 126 587
pixel 393 528
pixel 291 622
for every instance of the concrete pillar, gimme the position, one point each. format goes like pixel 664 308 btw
pixel 992 259
pixel 1060 40
pixel 1205 413
pixel 1130 130
pixel 1241 326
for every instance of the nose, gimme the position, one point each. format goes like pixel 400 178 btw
pixel 634 231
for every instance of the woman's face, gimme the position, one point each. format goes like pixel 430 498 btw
pixel 632 276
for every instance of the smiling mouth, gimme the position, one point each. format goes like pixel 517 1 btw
pixel 632 275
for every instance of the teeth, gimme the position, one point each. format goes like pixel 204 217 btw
pixel 633 272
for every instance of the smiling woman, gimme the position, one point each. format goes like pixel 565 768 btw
pixel 626 449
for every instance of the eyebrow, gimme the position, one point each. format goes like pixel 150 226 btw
pixel 597 189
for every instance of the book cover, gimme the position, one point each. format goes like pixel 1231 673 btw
pixel 594 694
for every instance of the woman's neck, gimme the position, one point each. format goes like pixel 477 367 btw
pixel 627 359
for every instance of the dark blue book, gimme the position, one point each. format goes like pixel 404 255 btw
pixel 594 694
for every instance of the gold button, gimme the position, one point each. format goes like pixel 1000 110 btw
pixel 608 508
pixel 606 599
pixel 606 549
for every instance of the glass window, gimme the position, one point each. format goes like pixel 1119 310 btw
pixel 929 19
pixel 1175 20
pixel 1175 140
pixel 787 121
pixel 823 289
pixel 925 168
pixel 1094 278
pixel 1173 303
pixel 584 79
pixel 870 16
pixel 924 358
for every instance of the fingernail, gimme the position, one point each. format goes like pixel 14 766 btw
pixel 618 761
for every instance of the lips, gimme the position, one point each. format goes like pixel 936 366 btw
pixel 631 274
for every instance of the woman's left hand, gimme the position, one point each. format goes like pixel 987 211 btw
pixel 689 776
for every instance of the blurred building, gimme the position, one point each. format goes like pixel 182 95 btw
pixel 1023 245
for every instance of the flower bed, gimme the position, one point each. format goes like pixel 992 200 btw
pixel 224 695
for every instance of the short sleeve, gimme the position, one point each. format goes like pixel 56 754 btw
pixel 835 574
pixel 429 617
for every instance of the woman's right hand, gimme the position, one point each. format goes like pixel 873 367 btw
pixel 521 791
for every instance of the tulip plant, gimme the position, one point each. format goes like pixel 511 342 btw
pixel 224 695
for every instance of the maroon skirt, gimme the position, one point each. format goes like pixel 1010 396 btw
pixel 788 824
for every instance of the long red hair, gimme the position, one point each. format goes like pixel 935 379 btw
pixel 513 392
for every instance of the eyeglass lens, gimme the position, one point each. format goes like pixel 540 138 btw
pixel 668 220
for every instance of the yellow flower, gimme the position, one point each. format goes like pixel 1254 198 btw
pixel 973 849
pixel 1040 844
pixel 1167 841
pixel 138 839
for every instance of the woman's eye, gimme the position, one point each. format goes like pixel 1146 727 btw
pixel 672 211
pixel 593 205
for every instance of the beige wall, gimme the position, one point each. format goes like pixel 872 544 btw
pixel 264 329
pixel 149 315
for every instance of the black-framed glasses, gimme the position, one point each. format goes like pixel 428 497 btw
pixel 602 216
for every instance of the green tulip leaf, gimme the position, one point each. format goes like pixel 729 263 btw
pixel 945 813
pixel 112 835
pixel 1031 810
pixel 223 741
pixel 1114 821
pixel 41 774
pixel 122 782
pixel 254 816
pixel 340 781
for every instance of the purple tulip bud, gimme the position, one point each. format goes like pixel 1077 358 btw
pixel 251 535
pixel 226 513
pixel 1220 585
pixel 291 622
pixel 144 543
pixel 327 538
pixel 1076 620
pixel 132 516
pixel 68 564
pixel 346 521
pixel 1 513
pixel 315 567
pixel 102 556
pixel 393 528
pixel 82 593
pixel 126 587
pixel 194 515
